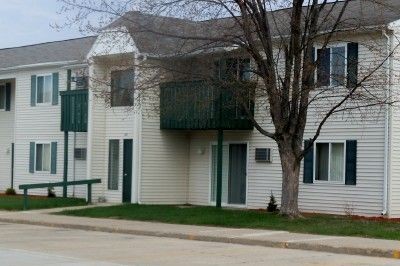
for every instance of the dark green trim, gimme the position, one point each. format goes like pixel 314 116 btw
pixel 60 184
pixel 74 110
pixel 53 168
pixel 351 162
pixel 33 90
pixel 127 171
pixel 55 88
pixel 8 97
pixel 65 175
pixel 308 174
pixel 32 157
pixel 194 105
pixel 88 182
pixel 12 164
pixel 352 65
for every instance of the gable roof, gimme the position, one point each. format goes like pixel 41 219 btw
pixel 59 51
pixel 163 36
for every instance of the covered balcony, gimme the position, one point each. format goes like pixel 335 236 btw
pixel 74 110
pixel 206 105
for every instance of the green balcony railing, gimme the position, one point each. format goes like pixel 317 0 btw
pixel 202 105
pixel 74 110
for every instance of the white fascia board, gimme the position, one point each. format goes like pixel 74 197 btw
pixel 39 65
pixel 195 53
pixel 113 42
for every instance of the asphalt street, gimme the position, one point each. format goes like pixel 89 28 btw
pixel 36 245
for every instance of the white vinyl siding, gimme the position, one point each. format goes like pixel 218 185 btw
pixel 7 125
pixel 394 144
pixel 164 160
pixel 43 125
pixel 106 124
pixel 326 197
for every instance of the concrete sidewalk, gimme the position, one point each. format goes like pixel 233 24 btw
pixel 267 238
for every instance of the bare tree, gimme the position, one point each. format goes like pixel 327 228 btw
pixel 291 79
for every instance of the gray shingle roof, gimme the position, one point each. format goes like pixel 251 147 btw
pixel 68 50
pixel 159 35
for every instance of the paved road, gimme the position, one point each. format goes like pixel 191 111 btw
pixel 35 245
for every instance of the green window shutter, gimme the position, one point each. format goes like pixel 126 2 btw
pixel 32 157
pixel 33 90
pixel 352 64
pixel 55 88
pixel 324 67
pixel 8 96
pixel 351 162
pixel 308 175
pixel 312 55
pixel 53 170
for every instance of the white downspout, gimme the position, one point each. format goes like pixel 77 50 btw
pixel 387 124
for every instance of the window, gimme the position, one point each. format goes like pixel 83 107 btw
pixel 233 69
pixel 2 97
pixel 44 88
pixel 330 162
pixel 263 155
pixel 113 165
pixel 331 70
pixel 80 154
pixel 122 88
pixel 81 82
pixel 43 157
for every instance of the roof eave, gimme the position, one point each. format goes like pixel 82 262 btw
pixel 41 65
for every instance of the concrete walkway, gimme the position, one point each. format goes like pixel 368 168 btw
pixel 267 238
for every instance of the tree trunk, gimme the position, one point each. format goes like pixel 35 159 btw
pixel 290 178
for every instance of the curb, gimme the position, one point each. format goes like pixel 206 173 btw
pixel 383 253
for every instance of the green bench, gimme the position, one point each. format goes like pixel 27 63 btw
pixel 88 182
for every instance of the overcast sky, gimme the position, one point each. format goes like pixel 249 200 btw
pixel 24 22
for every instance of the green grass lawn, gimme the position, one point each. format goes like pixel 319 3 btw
pixel 15 203
pixel 315 224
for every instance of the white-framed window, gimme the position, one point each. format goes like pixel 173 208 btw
pixel 113 164
pixel 2 97
pixel 122 87
pixel 43 157
pixel 330 162
pixel 44 89
pixel 332 68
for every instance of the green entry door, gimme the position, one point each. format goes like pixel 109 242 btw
pixel 237 173
pixel 127 171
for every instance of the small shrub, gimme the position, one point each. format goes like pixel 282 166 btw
pixel 51 193
pixel 272 206
pixel 349 209
pixel 11 192
pixel 102 199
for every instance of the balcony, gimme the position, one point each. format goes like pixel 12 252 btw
pixel 201 105
pixel 74 110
